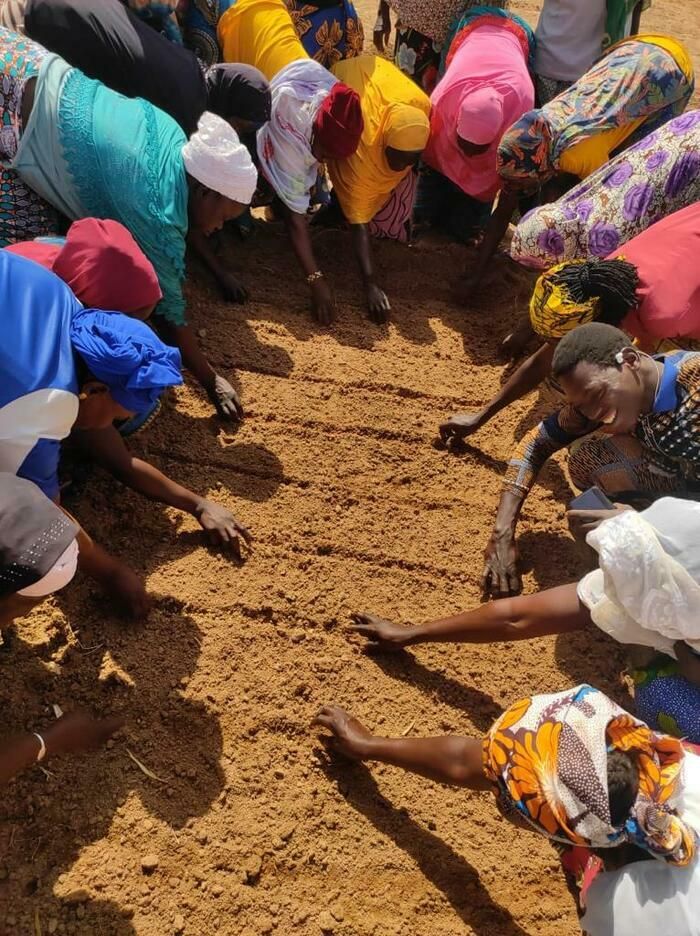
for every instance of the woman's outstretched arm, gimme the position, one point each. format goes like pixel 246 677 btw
pixel 449 759
pixel 554 611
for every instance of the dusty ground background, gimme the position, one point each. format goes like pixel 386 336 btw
pixel 352 508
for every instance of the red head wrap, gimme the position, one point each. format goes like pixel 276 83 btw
pixel 339 122
pixel 102 264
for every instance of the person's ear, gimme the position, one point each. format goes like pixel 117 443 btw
pixel 91 388
pixel 628 356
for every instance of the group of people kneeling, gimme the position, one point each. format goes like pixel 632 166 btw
pixel 120 148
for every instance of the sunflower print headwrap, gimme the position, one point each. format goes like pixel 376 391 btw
pixel 553 312
pixel 547 756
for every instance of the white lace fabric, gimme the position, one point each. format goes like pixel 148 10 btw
pixel 646 589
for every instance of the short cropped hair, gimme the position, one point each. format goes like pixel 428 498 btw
pixel 594 343
pixel 623 785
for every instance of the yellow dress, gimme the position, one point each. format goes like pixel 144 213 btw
pixel 582 159
pixel 396 113
pixel 260 33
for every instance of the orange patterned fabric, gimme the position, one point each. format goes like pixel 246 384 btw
pixel 547 756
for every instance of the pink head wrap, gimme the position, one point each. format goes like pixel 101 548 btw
pixel 480 119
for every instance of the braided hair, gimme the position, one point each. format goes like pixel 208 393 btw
pixel 613 282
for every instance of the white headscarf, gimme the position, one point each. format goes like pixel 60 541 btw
pixel 284 143
pixel 216 157
pixel 647 588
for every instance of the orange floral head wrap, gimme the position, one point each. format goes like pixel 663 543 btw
pixel 547 755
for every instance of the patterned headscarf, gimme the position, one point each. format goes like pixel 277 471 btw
pixel 525 150
pixel 548 757
pixel 553 312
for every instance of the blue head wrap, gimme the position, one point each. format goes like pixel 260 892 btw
pixel 127 356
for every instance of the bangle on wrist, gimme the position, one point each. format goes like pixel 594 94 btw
pixel 42 747
pixel 312 277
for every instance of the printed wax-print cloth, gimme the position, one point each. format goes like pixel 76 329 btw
pixel 24 215
pixel 653 178
pixel 547 756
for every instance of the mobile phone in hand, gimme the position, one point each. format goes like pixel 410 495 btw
pixel 592 499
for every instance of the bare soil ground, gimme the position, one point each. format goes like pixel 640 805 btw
pixel 352 508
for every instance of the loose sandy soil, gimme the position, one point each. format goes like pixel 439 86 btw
pixel 352 507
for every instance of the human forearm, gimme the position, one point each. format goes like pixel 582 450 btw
pixel 300 236
pixel 112 575
pixel 147 480
pixel 526 378
pixel 321 297
pixel 77 731
pixel 363 253
pixel 16 755
pixel 202 246
pixel 109 450
pixel 508 513
pixel 535 448
pixel 493 235
pixel 378 303
pixel 521 618
pixel 449 759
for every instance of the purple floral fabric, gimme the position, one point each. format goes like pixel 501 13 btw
pixel 657 176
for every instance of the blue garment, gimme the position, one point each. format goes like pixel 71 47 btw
pixel 38 382
pixel 161 17
pixel 667 701
pixel 43 326
pixel 329 32
pixel 127 356
pixel 667 396
pixel 199 22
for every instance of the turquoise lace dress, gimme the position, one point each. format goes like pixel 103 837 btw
pixel 91 152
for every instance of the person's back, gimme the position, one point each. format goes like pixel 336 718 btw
pixel 38 385
pixel 108 42
pixel 665 256
pixel 364 181
pixel 260 33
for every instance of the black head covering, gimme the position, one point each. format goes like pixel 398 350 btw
pixel 241 91
pixel 34 533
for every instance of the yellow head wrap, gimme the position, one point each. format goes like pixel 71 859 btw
pixel 552 311
pixel 407 128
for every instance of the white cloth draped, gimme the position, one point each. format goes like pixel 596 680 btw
pixel 284 143
pixel 646 590
pixel 651 898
